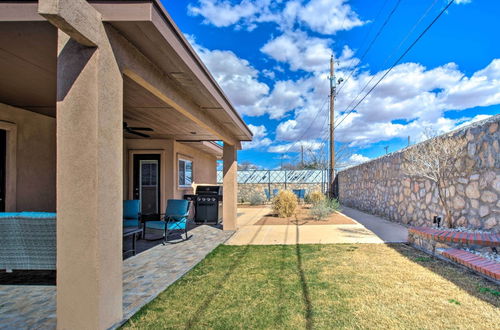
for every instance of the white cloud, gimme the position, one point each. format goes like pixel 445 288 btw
pixel 223 13
pixel 260 138
pixel 322 16
pixel 237 77
pixel 328 16
pixel 296 147
pixel 303 52
pixel 357 159
pixel 459 2
pixel 409 100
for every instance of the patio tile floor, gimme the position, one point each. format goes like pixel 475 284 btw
pixel 144 277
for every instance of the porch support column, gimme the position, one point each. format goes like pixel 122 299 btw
pixel 230 187
pixel 89 171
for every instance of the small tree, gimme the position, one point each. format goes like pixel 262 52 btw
pixel 435 160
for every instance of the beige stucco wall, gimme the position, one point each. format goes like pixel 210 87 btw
pixel 35 159
pixel 204 165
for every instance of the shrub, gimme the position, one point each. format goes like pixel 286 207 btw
pixel 324 208
pixel 256 199
pixel 314 197
pixel 285 203
pixel 320 210
pixel 334 204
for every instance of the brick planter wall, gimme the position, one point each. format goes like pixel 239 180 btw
pixel 450 245
pixel 379 186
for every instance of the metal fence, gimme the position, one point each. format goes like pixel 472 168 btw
pixel 267 182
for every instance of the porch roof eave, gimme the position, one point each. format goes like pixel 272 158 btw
pixel 136 13
pixel 155 29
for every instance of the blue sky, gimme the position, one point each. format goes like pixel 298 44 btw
pixel 271 59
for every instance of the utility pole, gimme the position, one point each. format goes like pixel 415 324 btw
pixel 408 140
pixel 386 149
pixel 302 154
pixel 332 117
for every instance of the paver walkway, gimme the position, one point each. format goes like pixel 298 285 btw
pixel 144 277
pixel 367 229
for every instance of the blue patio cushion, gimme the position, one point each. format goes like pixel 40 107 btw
pixel 175 216
pixel 177 209
pixel 131 209
pixel 27 215
pixel 131 223
pixel 173 225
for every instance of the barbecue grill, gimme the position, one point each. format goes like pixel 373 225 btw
pixel 208 204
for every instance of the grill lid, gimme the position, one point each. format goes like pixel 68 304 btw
pixel 209 190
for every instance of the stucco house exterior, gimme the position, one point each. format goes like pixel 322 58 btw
pixel 72 73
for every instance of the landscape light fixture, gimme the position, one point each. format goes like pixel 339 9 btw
pixel 437 219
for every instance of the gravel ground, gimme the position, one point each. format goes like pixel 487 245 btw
pixel 463 230
pixel 488 255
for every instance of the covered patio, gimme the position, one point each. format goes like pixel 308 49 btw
pixel 144 277
pixel 73 73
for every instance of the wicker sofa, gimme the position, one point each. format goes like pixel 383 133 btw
pixel 28 241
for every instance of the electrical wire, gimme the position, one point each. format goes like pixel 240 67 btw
pixel 394 51
pixel 309 127
pixel 396 62
pixel 379 32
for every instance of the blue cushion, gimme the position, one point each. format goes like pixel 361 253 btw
pixel 178 208
pixel 27 215
pixel 131 223
pixel 131 209
pixel 160 225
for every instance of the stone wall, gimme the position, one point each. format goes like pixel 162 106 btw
pixel 379 186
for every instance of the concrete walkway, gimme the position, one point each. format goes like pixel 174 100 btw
pixel 367 229
pixel 388 231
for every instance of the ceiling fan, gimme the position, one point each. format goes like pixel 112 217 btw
pixel 133 130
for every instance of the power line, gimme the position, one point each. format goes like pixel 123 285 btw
pixel 309 127
pixel 397 61
pixel 394 50
pixel 379 32
pixel 364 39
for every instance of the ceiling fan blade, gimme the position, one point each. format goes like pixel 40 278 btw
pixel 137 133
pixel 141 129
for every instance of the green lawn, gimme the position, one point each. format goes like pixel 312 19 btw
pixel 323 286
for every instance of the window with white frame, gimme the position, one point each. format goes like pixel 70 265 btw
pixel 185 173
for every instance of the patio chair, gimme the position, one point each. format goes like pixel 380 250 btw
pixel 175 219
pixel 268 194
pixel 300 193
pixel 132 213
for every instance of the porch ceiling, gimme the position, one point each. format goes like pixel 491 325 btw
pixel 141 108
pixel 28 62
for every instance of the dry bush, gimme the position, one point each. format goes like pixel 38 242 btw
pixel 315 197
pixel 285 203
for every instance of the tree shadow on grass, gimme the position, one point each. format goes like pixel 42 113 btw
pixel 458 275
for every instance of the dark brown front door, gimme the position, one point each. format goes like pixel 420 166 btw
pixel 3 157
pixel 147 182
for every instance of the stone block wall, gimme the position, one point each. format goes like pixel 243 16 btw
pixel 380 187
